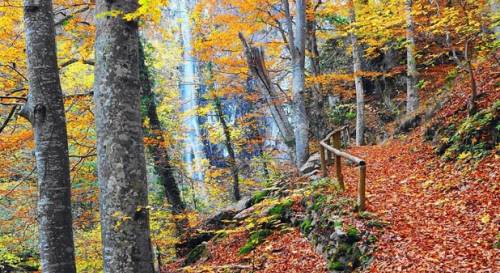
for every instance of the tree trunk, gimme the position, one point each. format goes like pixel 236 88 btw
pixel 471 104
pixel 45 110
pixel 230 149
pixel 495 9
pixel 120 145
pixel 296 42
pixel 257 66
pixel 412 74
pixel 316 113
pixel 154 131
pixel 358 82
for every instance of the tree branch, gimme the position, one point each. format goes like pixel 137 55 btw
pixel 9 118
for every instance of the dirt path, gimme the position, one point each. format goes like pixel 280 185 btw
pixel 443 218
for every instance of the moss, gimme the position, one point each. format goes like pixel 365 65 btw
pixel 280 209
pixel 195 254
pixel 336 265
pixel 473 138
pixel 353 234
pixel 306 226
pixel 318 202
pixel 259 196
pixel 256 238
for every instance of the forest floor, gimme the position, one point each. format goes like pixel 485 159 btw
pixel 441 216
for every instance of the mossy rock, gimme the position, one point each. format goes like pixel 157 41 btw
pixel 196 254
pixel 336 265
pixel 256 238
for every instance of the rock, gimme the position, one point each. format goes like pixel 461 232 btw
pixel 192 242
pixel 314 175
pixel 200 252
pixel 244 203
pixel 313 163
pixel 319 248
pixel 244 213
pixel 216 221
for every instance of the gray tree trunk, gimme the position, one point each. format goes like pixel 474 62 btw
pixel 45 110
pixel 318 122
pixel 257 66
pixel 412 74
pixel 358 82
pixel 120 144
pixel 158 151
pixel 495 9
pixel 296 40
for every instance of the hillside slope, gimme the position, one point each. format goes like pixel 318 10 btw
pixel 434 213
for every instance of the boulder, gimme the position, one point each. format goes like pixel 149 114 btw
pixel 313 163
pixel 244 213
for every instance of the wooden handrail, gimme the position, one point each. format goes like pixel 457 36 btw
pixel 331 145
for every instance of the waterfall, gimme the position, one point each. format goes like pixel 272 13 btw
pixel 193 153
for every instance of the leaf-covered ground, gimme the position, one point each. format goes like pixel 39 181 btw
pixel 283 251
pixel 443 215
pixel 442 218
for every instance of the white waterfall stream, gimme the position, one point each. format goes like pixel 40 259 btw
pixel 193 153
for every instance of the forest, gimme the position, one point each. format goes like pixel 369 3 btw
pixel 245 136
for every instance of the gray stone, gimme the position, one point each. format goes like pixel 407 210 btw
pixel 313 163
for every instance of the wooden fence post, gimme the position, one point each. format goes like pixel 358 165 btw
pixel 362 188
pixel 338 164
pixel 329 154
pixel 323 160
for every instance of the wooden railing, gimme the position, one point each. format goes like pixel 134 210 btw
pixel 329 151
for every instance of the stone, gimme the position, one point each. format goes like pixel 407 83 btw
pixel 313 163
pixel 244 213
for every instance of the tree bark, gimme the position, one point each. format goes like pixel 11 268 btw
pixel 358 82
pixel 471 104
pixel 296 40
pixel 154 131
pixel 120 144
pixel 411 73
pixel 257 65
pixel 495 9
pixel 230 149
pixel 45 110
pixel 316 113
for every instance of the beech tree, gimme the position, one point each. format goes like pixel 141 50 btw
pixel 296 45
pixel 45 110
pixel 120 145
pixel 358 81
pixel 411 73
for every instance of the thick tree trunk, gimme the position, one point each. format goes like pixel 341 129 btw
pixel 158 149
pixel 296 40
pixel 230 149
pixel 358 82
pixel 45 110
pixel 257 65
pixel 317 104
pixel 120 144
pixel 411 73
